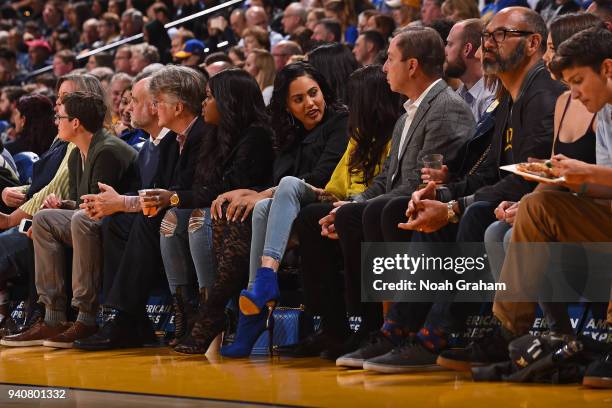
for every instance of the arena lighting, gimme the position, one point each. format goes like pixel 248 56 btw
pixel 119 43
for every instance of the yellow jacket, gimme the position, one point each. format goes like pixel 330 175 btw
pixel 342 183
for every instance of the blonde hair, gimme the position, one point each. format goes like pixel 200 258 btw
pixel 460 9
pixel 266 69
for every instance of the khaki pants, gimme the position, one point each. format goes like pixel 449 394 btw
pixel 52 231
pixel 549 216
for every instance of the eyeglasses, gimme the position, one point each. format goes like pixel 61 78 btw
pixel 58 117
pixel 500 35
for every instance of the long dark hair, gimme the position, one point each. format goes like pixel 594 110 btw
pixel 240 105
pixel 373 111
pixel 566 25
pixel 39 130
pixel 336 62
pixel 286 128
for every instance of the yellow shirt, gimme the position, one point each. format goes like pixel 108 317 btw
pixel 342 183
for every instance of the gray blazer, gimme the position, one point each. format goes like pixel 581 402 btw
pixel 441 124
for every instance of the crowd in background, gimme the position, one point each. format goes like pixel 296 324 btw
pixel 194 158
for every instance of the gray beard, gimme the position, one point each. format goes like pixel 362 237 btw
pixel 510 64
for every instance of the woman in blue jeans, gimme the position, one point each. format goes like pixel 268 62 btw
pixel 273 217
pixel 237 153
pixel 310 137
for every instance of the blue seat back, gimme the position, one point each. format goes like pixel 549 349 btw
pixel 24 162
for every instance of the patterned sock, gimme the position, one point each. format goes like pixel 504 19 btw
pixel 394 331
pixel 433 339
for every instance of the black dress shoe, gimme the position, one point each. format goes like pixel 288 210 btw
pixel 311 346
pixel 118 332
pixel 354 341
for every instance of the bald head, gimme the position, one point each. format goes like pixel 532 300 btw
pixel 256 16
pixel 524 19
pixel 217 67
pixel 283 51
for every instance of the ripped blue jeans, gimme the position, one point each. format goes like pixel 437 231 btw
pixel 186 247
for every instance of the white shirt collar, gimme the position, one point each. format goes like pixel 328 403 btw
pixel 415 105
pixel 162 133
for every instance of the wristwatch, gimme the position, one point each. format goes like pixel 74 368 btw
pixel 452 216
pixel 174 200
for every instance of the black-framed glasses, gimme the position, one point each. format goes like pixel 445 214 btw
pixel 57 117
pixel 500 35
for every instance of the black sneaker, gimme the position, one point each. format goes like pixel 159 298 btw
pixel 377 345
pixel 480 352
pixel 410 356
pixel 336 350
pixel 8 326
pixel 311 346
pixel 118 332
pixel 599 373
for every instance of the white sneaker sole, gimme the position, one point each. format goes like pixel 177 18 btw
pixel 27 343
pixel 349 362
pixel 56 344
pixel 390 369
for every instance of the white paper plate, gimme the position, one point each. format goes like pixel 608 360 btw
pixel 532 177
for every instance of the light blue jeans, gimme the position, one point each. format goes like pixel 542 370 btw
pixel 187 250
pixel 272 221
pixel 496 239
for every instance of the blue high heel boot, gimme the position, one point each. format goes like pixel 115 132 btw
pixel 265 292
pixel 248 331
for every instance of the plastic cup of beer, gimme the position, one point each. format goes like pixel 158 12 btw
pixel 147 209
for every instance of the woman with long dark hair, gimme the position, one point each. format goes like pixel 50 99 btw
pixel 236 153
pixel 310 138
pixel 370 131
pixel 34 125
pixel 336 62
pixel 274 217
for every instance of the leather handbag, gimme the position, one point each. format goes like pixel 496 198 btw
pixel 290 325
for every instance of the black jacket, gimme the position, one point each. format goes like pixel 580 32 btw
pixel 248 164
pixel 46 167
pixel 531 117
pixel 314 156
pixel 470 170
pixel 176 171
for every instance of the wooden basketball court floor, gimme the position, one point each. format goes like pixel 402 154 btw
pixel 158 377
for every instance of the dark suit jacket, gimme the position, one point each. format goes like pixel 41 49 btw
pixel 248 164
pixel 441 124
pixel 470 170
pixel 531 116
pixel 47 165
pixel 176 171
pixel 109 160
pixel 315 156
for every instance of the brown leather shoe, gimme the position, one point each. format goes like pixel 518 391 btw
pixel 34 336
pixel 75 332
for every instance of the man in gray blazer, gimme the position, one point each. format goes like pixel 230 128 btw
pixel 438 121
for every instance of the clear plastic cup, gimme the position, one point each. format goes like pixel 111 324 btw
pixel 147 210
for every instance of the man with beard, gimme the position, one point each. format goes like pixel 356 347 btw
pixel 513 44
pixel 8 103
pixel 461 62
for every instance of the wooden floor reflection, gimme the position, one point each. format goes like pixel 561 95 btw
pixel 281 381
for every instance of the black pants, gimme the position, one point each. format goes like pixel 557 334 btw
pixel 138 260
pixel 320 266
pixel 373 221
pixel 449 316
